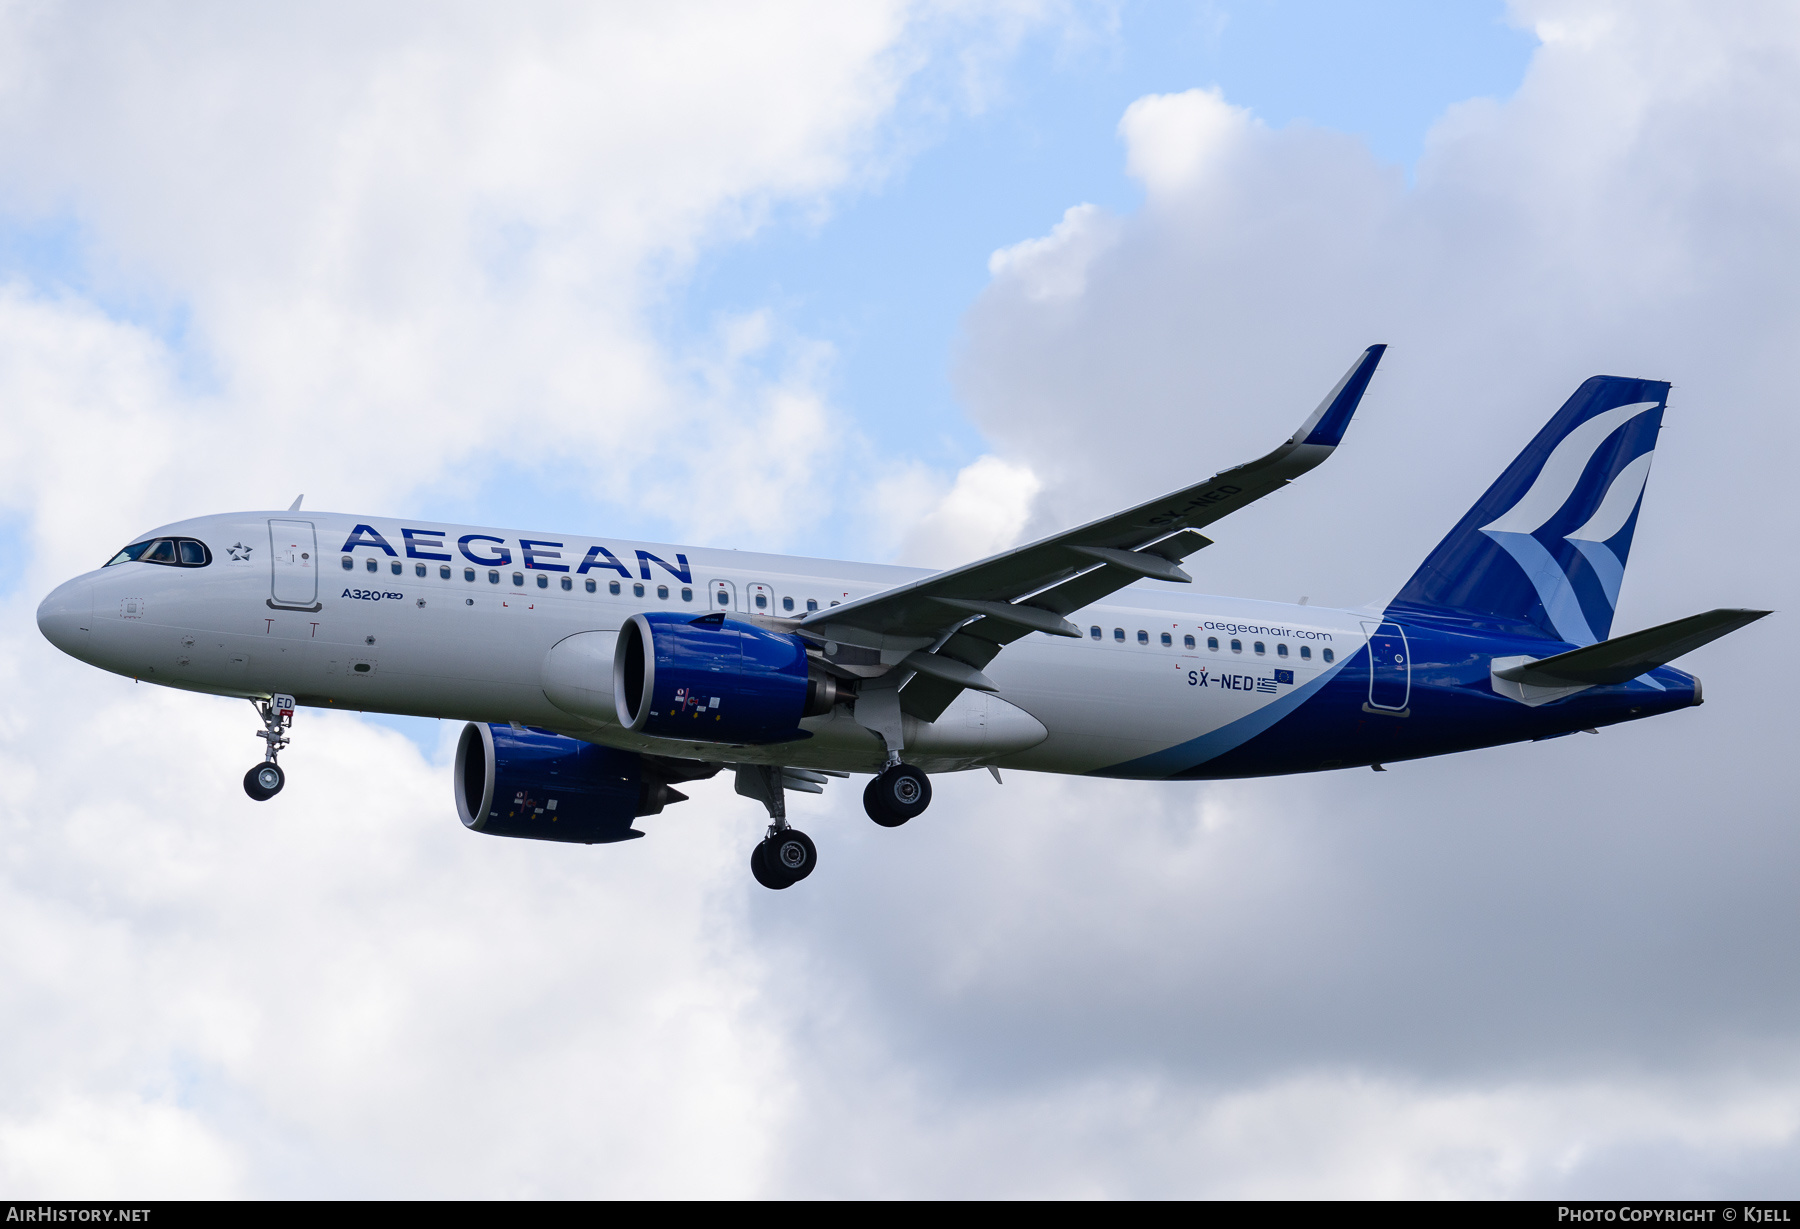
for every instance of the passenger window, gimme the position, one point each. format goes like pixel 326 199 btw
pixel 724 598
pixel 613 588
pixel 370 565
pixel 1326 655
pixel 1259 647
pixel 834 603
pixel 1237 646
pixel 1187 642
pixel 591 585
pixel 787 603
pixel 1143 636
pixel 1167 640
pixel 348 563
pixel 687 595
pixel 1119 635
pixel 443 571
pixel 662 593
pixel 567 584
pixel 812 603
pixel 192 553
pixel 418 569
pixel 1281 650
pixel 637 590
pixel 493 576
pixel 519 579
pixel 469 575
pixel 762 601
pixel 544 581
pixel 1212 642
pixel 1094 631
pixel 394 567
pixel 1305 653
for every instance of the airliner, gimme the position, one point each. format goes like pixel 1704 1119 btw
pixel 598 675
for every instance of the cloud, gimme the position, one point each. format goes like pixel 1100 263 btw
pixel 1176 142
pixel 981 514
pixel 376 251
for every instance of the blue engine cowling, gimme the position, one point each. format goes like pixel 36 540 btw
pixel 714 679
pixel 535 784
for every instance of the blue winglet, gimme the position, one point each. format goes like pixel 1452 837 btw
pixel 1332 418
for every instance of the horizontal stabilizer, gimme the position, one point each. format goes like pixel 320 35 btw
pixel 1625 657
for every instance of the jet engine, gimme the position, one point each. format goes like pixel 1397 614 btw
pixel 715 679
pixel 538 785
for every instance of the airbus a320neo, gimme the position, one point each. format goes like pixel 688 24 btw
pixel 599 675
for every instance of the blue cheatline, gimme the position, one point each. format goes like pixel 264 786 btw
pixel 1227 737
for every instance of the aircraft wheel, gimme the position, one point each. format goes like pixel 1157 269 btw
pixel 791 854
pixel 764 873
pixel 900 793
pixel 872 804
pixel 264 781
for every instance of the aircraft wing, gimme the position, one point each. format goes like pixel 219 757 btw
pixel 946 627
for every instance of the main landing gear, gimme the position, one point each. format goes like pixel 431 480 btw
pixel 899 793
pixel 265 780
pixel 784 858
pixel 786 855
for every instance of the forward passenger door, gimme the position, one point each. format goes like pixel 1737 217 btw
pixel 293 565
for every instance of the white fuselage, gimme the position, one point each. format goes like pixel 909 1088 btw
pixel 473 645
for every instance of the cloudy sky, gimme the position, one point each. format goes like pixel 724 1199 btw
pixel 906 282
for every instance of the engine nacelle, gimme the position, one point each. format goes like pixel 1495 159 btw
pixel 715 679
pixel 545 787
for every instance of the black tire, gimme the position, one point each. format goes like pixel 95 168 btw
pixel 900 793
pixel 791 854
pixel 259 786
pixel 872 804
pixel 765 874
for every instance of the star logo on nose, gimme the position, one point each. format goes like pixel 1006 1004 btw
pixel 238 552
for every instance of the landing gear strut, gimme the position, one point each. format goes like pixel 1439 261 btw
pixel 786 855
pixel 265 780
pixel 901 792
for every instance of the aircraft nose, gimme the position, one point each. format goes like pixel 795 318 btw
pixel 66 615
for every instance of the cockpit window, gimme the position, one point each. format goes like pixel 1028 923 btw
pixel 129 554
pixel 176 552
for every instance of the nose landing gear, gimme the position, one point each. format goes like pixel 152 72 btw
pixel 265 780
pixel 901 792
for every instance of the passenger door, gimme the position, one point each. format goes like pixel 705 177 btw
pixel 294 565
pixel 724 595
pixel 761 599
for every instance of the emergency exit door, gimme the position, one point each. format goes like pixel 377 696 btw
pixel 294 565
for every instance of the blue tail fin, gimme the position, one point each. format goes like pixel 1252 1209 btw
pixel 1543 552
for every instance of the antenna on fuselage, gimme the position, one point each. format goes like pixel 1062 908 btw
pixel 295 506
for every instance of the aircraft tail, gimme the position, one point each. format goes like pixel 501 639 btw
pixel 1543 553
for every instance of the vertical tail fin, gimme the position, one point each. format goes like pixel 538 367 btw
pixel 1543 553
